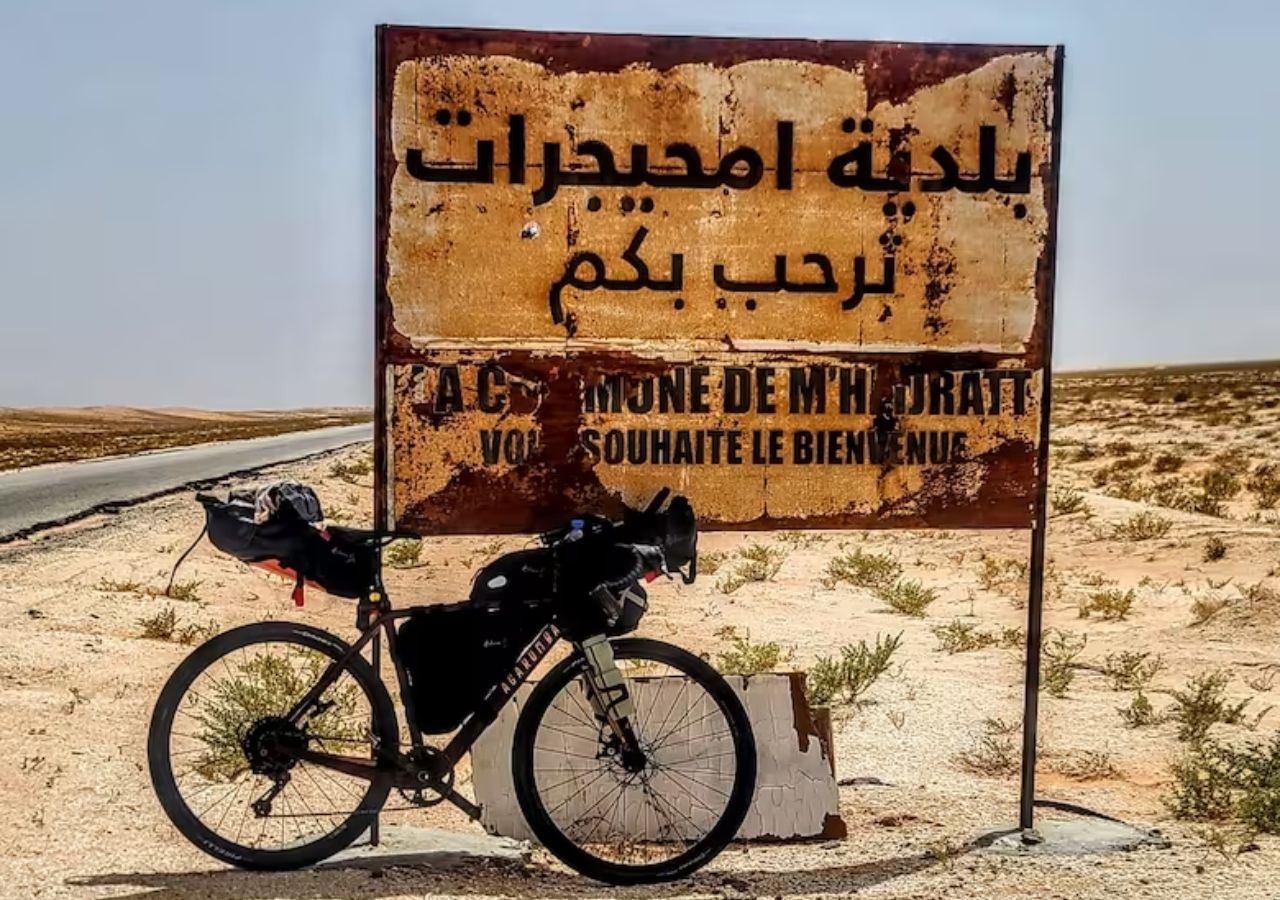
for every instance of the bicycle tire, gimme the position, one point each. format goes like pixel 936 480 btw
pixel 562 846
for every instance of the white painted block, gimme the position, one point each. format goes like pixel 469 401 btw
pixel 796 794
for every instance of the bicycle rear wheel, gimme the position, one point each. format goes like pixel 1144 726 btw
pixel 222 753
pixel 617 821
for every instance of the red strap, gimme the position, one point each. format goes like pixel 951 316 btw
pixel 298 591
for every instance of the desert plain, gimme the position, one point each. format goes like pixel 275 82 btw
pixel 1162 615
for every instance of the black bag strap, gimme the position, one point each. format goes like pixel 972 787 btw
pixel 185 553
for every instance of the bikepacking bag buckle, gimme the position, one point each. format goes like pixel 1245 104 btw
pixel 611 699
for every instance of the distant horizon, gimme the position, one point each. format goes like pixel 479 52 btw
pixel 1224 365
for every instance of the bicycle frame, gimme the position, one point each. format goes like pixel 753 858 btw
pixel 384 618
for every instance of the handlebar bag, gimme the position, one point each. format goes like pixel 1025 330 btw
pixel 289 545
pixel 522 576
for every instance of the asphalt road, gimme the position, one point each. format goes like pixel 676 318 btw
pixel 49 495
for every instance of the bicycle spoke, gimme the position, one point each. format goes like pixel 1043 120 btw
pixel 630 813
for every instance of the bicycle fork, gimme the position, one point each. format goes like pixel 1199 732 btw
pixel 611 699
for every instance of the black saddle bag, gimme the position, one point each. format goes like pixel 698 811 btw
pixel 289 545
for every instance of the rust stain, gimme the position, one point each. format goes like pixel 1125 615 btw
pixel 834 828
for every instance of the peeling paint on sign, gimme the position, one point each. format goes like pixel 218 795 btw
pixel 806 284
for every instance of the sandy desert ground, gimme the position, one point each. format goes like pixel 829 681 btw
pixel 1163 532
pixel 31 437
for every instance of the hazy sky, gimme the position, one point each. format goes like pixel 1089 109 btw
pixel 186 188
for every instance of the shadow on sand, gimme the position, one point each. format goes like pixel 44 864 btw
pixel 445 873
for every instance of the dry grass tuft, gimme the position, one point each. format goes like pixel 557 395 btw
pixel 759 562
pixel 862 569
pixel 1111 605
pixel 747 658
pixel 910 598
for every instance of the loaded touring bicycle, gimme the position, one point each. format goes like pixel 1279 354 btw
pixel 274 745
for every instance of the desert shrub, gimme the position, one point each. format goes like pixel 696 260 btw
pixel 1012 637
pixel 1087 765
pixel 1232 459
pixel 1058 655
pixel 1130 464
pixel 759 562
pixel 1219 484
pixel 1131 670
pixel 403 553
pixel 994 572
pixel 186 591
pixel 994 754
pixel 1264 484
pixel 1143 526
pixel 1102 475
pixel 1120 448
pixel 353 471
pixel 802 538
pixel 710 562
pixel 1094 579
pixel 747 658
pixel 959 636
pixel 850 675
pixel 1111 605
pixel 1000 726
pixel 269 683
pixel 193 633
pixel 1129 488
pixel 160 626
pixel 1214 782
pixel 1139 713
pixel 1203 704
pixel 163 626
pixel 1084 453
pixel 1065 500
pixel 911 598
pixel 121 586
pixel 1214 549
pixel 1172 494
pixel 1166 462
pixel 862 569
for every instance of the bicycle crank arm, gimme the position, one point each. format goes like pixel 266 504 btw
pixel 472 810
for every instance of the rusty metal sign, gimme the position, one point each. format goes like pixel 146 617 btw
pixel 806 283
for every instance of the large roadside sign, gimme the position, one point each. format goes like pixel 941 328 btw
pixel 808 284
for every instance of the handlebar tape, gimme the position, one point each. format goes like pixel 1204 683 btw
pixel 636 571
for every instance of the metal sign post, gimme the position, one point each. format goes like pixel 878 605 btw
pixel 1039 527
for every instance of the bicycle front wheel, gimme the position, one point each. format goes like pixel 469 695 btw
pixel 224 756
pixel 618 821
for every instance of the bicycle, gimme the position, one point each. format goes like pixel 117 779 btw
pixel 274 745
